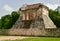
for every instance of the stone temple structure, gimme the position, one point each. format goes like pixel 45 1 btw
pixel 33 18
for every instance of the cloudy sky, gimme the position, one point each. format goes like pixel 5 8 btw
pixel 7 6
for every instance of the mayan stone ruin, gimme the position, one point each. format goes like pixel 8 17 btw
pixel 34 20
pixel 34 16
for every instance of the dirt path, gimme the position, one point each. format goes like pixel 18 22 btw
pixel 11 37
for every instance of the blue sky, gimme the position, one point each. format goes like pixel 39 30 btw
pixel 7 6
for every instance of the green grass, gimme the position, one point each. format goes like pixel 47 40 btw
pixel 38 39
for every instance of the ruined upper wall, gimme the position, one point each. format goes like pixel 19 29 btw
pixel 30 12
pixel 33 6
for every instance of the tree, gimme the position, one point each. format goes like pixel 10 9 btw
pixel 58 9
pixel 6 22
pixel 0 24
pixel 15 16
pixel 55 16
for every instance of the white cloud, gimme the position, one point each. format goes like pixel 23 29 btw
pixel 8 8
pixel 52 6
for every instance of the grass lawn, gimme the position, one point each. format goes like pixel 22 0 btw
pixel 38 39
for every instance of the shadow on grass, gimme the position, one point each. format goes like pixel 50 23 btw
pixel 31 36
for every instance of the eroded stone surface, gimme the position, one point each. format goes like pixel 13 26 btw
pixel 33 20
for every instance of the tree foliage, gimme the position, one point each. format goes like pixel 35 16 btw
pixel 7 21
pixel 55 16
pixel 0 23
pixel 14 16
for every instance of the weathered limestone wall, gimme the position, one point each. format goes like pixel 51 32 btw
pixel 28 14
pixel 47 21
pixel 30 32
pixel 39 26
